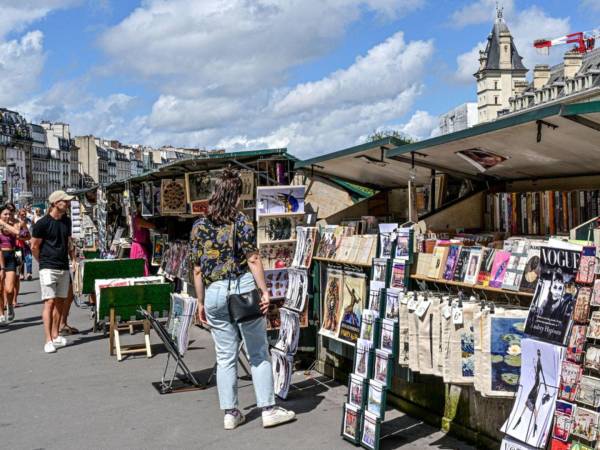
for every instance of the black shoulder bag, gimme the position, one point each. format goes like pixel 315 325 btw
pixel 242 307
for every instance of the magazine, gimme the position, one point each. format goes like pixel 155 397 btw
pixel 485 270
pixel 576 343
pixel 563 416
pixel 570 375
pixel 181 317
pixel 551 310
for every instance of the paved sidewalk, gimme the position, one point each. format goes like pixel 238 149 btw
pixel 81 398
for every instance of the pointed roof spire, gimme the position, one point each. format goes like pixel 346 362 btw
pixel 499 12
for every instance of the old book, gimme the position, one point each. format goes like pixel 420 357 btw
pixel 485 268
pixel 531 271
pixel 438 262
pixel 499 268
pixel 453 252
pixel 461 264
pixel 473 264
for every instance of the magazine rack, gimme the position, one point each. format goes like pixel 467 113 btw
pixel 185 381
pixel 125 301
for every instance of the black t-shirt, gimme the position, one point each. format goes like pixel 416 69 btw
pixel 54 251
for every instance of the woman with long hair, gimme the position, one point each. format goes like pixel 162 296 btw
pixel 9 231
pixel 223 263
pixel 140 245
pixel 26 267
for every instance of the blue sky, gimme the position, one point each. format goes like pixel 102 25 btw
pixel 311 75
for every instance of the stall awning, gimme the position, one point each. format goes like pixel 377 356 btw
pixel 552 141
pixel 366 165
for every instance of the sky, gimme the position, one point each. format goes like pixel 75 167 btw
pixel 314 76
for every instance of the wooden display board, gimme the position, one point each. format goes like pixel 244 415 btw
pixel 109 268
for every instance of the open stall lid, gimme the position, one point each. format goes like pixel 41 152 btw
pixel 366 165
pixel 552 141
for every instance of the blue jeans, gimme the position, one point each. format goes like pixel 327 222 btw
pixel 227 340
pixel 28 263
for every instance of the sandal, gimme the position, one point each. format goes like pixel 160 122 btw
pixel 68 330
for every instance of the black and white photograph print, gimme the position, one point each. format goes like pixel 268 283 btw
pixel 147 198
pixel 199 185
pixel 282 372
pixel 533 410
pixel 297 293
pixel 289 331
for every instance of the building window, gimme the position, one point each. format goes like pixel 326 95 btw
pixel 495 100
pixel 495 85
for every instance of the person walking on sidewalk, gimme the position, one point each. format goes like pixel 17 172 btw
pixel 9 231
pixel 221 258
pixel 51 246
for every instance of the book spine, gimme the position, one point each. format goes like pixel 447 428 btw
pixel 565 213
pixel 551 213
pixel 514 224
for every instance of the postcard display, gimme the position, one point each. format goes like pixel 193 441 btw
pixel 286 250
pixel 558 401
pixel 377 331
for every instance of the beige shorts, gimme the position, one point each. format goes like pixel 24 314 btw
pixel 54 283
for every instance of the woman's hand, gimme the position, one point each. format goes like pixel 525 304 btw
pixel 201 314
pixel 264 302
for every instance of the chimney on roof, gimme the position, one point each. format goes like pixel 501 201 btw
pixel 520 86
pixel 573 60
pixel 541 75
pixel 505 39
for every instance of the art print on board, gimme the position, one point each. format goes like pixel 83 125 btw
pixel 367 326
pixel 351 426
pixel 362 358
pixel 576 342
pixel 392 303
pixel 382 366
pixel 356 390
pixel 585 424
pixel 551 310
pixel 563 417
pixel 389 335
pixel 533 410
pixel 592 358
pixel 398 274
pixel 277 282
pixel 505 348
pixel 280 199
pixel 386 239
pixel 200 185
pixel 403 244
pixel 375 294
pixel 370 431
pixel 570 375
pixel 332 304
pixel 247 177
pixel 353 303
pixel 375 398
pixel 380 270
pixel 588 391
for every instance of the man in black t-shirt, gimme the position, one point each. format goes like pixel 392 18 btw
pixel 51 246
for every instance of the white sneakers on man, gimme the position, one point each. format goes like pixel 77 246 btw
pixel 49 347
pixel 277 416
pixel 3 321
pixel 232 421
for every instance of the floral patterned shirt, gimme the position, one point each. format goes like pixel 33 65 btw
pixel 212 252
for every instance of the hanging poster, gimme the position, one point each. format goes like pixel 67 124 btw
pixel 200 185
pixel 282 372
pixel 353 302
pixel 332 304
pixel 172 197
pixel 289 332
pixel 551 310
pixel 505 352
pixel 533 410
pixel 247 177
pixel 297 293
pixel 147 198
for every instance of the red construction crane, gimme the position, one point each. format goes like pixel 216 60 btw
pixel 584 41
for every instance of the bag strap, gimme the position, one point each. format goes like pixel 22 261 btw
pixel 233 252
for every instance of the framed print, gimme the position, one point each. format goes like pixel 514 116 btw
pixel 357 390
pixel 276 229
pixel 199 185
pixel 376 398
pixel 589 391
pixel 363 358
pixel 199 207
pixel 371 429
pixel 383 367
pixel 147 199
pixel 351 423
pixel 585 424
pixel 158 249
pixel 389 336
pixel 277 256
pixel 280 200
pixel 172 197
pixel 247 177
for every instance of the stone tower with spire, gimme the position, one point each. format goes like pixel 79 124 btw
pixel 501 73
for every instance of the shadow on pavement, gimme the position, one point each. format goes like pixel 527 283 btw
pixel 84 338
pixel 17 326
pixel 403 430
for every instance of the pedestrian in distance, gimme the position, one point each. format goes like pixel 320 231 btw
pixel 9 232
pixel 51 246
pixel 226 260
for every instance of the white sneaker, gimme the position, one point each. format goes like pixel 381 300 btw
pixel 3 321
pixel 277 416
pixel 49 347
pixel 59 341
pixel 232 421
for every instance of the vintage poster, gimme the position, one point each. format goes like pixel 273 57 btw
pixel 576 343
pixel 533 410
pixel 570 375
pixel 354 292
pixel 588 391
pixel 172 197
pixel 563 417
pixel 332 304
pixel 505 348
pixel 199 185
pixel 585 424
pixel 551 310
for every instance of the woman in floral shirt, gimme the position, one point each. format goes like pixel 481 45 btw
pixel 217 264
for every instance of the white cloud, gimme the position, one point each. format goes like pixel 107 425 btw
pixel 420 126
pixel 21 62
pixel 18 14
pixel 481 11
pixel 232 47
pixel 525 26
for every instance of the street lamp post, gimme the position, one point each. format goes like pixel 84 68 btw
pixel 13 172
